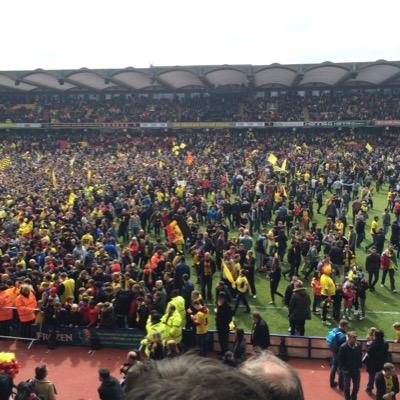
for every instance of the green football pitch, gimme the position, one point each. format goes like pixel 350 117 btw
pixel 381 306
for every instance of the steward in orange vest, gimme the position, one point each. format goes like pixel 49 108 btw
pixel 6 310
pixel 26 304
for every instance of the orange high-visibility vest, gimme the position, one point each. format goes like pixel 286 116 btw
pixel 13 292
pixel 26 307
pixel 6 301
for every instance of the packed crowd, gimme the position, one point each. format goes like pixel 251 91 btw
pixel 216 107
pixel 154 232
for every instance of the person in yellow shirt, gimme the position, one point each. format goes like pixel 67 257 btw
pixel 200 320
pixel 242 287
pixel 374 231
pixel 328 290
pixel 179 191
pixel 339 226
pixel 87 240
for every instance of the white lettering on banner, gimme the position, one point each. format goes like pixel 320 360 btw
pixel 28 125
pixel 153 125
pixel 249 124
pixel 319 123
pixel 60 337
pixel 288 124
pixel 390 122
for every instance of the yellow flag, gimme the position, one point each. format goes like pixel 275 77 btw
pixel 54 179
pixel 283 167
pixel 272 159
pixel 368 147
pixel 227 272
pixel 5 162
pixel 72 161
pixel 89 175
pixel 182 145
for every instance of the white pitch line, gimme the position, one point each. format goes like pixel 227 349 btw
pixel 285 308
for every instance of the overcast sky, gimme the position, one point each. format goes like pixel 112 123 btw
pixel 60 34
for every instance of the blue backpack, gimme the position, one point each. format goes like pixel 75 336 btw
pixel 335 338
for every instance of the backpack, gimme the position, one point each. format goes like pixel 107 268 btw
pixel 332 339
pixel 26 391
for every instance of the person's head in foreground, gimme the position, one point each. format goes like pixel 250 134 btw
pixel 280 381
pixel 40 372
pixel 190 377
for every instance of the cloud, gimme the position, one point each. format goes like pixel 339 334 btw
pixel 102 34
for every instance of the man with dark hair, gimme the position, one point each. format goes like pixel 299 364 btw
pixel 110 388
pixel 192 377
pixel 279 380
pixel 43 387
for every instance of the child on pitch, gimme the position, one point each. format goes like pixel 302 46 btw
pixel 396 327
pixel 349 296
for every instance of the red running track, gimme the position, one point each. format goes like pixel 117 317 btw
pixel 74 371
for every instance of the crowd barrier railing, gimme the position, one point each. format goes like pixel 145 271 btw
pixel 307 347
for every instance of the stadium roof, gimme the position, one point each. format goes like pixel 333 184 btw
pixel 156 79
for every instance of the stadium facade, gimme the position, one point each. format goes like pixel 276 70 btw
pixel 380 73
pixel 158 82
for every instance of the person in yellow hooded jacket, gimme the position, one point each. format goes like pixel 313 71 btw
pixel 173 324
pixel 153 324
pixel 179 302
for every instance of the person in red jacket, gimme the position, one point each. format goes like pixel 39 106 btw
pixel 93 313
